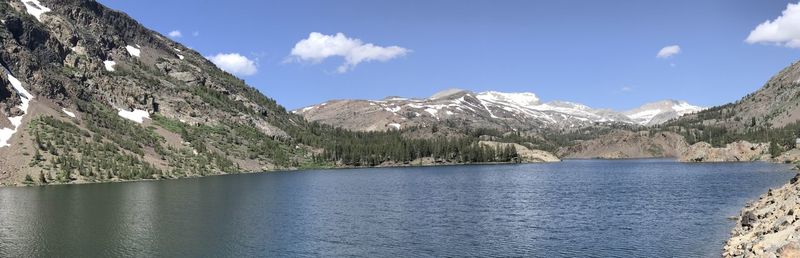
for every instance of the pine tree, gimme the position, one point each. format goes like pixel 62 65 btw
pixel 774 149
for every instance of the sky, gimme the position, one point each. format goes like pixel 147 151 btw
pixel 605 54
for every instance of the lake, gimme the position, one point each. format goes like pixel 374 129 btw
pixel 588 208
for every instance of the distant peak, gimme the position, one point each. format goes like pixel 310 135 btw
pixel 647 114
pixel 448 93
pixel 668 104
pixel 395 98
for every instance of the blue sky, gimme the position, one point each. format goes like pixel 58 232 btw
pixel 599 53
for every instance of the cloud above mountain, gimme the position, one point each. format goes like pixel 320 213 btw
pixel 234 63
pixel 783 31
pixel 175 34
pixel 669 51
pixel 318 47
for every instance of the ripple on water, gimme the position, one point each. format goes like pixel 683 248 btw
pixel 635 208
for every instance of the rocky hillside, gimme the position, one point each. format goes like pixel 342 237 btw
pixel 768 226
pixel 496 110
pixel 770 115
pixel 88 94
pixel 761 126
pixel 623 144
pixel 775 105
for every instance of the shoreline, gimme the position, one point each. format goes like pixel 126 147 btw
pixel 326 168
pixel 322 168
pixel 769 225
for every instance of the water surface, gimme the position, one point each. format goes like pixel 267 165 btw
pixel 595 208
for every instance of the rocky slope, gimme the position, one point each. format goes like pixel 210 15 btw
pixel 497 110
pixel 621 144
pixel 769 226
pixel 87 93
pixel 732 152
pixel 774 105
pixel 525 154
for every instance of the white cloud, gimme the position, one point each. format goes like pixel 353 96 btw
pixel 175 34
pixel 626 89
pixel 784 30
pixel 234 63
pixel 668 51
pixel 317 47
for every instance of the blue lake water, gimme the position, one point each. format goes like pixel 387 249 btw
pixel 588 208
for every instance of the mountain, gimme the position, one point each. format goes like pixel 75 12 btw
pixel 491 109
pixel 776 104
pixel 759 126
pixel 659 112
pixel 87 94
pixel 768 115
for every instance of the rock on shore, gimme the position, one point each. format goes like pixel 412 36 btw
pixel 769 226
pixel 733 152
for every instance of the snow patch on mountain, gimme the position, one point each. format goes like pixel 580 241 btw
pixel 432 111
pixel 659 112
pixel 133 51
pixel 33 7
pixel 25 97
pixel 109 65
pixel 70 114
pixel 393 109
pixel 136 115
pixel 519 99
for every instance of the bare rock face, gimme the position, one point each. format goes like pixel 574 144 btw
pixel 525 154
pixel 769 226
pixel 622 144
pixel 733 152
pixel 790 156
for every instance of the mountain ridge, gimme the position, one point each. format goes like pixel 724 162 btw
pixel 511 111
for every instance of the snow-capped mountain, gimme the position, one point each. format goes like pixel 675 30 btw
pixel 661 111
pixel 489 109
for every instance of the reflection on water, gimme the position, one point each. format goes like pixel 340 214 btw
pixel 573 208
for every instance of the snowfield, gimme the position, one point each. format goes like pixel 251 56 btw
pixel 137 115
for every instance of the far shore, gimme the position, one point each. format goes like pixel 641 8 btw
pixel 401 165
